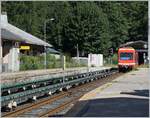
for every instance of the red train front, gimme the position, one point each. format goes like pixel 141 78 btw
pixel 127 58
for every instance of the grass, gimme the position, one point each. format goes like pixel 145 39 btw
pixel 143 66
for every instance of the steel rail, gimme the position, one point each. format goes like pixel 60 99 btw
pixel 59 108
pixel 33 105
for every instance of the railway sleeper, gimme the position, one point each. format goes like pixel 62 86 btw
pixel 67 87
pixel 21 89
pixel 34 98
pixel 10 106
pixel 59 90
pixel 50 93
pixel 83 82
pixel 5 93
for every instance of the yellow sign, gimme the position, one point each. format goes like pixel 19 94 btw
pixel 24 47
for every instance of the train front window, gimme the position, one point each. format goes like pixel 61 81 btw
pixel 126 56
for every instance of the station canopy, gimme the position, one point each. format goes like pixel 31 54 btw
pixel 140 46
pixel 51 50
pixel 10 32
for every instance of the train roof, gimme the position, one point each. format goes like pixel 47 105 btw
pixel 126 48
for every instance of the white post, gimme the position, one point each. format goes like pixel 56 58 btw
pixel 63 62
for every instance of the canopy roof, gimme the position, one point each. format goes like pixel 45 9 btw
pixel 136 44
pixel 51 50
pixel 11 32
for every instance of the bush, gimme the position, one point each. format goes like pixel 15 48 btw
pixel 37 62
pixel 114 59
pixel 31 62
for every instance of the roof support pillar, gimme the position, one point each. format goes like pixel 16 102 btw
pixel 149 32
pixel 14 61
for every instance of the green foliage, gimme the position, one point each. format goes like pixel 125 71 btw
pixel 115 59
pixel 137 15
pixel 31 62
pixel 111 60
pixel 37 62
pixel 94 26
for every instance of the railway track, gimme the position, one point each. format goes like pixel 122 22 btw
pixel 29 107
pixel 60 101
pixel 18 93
pixel 59 108
pixel 37 104
pixel 56 111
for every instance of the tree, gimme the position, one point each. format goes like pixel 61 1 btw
pixel 94 26
pixel 87 27
pixel 137 15
pixel 118 24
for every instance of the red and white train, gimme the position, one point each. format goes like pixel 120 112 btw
pixel 127 58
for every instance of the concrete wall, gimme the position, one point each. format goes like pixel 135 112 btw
pixel 13 60
pixel 95 60
pixel 10 61
pixel 81 60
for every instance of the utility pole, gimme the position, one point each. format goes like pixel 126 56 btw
pixel 111 54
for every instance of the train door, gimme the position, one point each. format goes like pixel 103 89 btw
pixel 136 58
pixel 140 58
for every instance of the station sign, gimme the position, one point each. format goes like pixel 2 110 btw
pixel 24 47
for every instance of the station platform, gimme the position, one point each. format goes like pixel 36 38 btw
pixel 126 96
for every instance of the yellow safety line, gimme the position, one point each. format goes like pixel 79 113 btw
pixel 96 91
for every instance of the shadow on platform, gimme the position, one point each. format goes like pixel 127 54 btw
pixel 113 107
pixel 144 93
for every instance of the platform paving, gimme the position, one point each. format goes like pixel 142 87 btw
pixel 126 96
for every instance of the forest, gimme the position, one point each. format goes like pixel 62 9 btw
pixel 92 26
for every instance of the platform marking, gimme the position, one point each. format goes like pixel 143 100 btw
pixel 94 92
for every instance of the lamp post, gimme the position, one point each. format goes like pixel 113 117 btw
pixel 45 63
